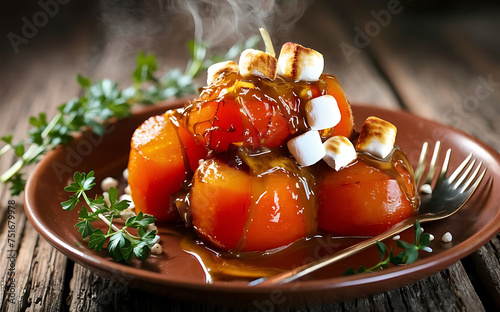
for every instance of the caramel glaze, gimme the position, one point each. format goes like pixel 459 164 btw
pixel 269 161
pixel 286 96
pixel 288 99
pixel 227 265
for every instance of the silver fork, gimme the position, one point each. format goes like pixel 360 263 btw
pixel 446 198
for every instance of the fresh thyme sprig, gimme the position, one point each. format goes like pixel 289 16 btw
pixel 103 101
pixel 122 245
pixel 407 256
pixel 150 89
pixel 100 102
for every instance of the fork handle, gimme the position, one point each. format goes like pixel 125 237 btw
pixel 303 270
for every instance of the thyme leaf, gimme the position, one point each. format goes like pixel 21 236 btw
pixel 103 101
pixel 121 244
pixel 407 256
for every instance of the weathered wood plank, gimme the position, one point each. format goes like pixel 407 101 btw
pixel 434 82
pixel 9 262
pixel 396 302
pixel 433 294
pixel 24 256
pixel 90 292
pixel 455 92
pixel 361 80
pixel 436 293
pixel 487 266
pixel 430 77
pixel 464 290
pixel 38 80
pixel 48 269
pixel 35 86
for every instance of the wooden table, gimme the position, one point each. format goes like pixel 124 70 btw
pixel 441 63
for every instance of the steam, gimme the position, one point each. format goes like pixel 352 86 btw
pixel 218 22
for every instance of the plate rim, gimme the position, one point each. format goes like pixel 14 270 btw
pixel 422 267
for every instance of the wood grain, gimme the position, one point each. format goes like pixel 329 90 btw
pixel 48 270
pixel 429 76
pixel 436 82
pixel 23 265
pixel 487 264
pixel 360 79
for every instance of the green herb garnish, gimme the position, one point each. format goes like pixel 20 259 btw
pixel 407 256
pixel 102 102
pixel 122 245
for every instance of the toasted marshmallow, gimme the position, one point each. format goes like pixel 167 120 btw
pixel 257 63
pixel 300 63
pixel 307 148
pixel 218 68
pixel 322 112
pixel 339 152
pixel 377 137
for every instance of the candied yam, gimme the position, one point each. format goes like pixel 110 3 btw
pixel 346 124
pixel 277 212
pixel 194 151
pixel 216 124
pixel 156 168
pixel 277 133
pixel 219 203
pixel 363 200
pixel 267 123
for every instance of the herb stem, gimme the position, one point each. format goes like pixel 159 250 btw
pixel 198 55
pixel 5 149
pixel 380 265
pixel 18 165
pixel 33 151
pixel 109 222
pixel 30 153
pixel 407 256
pixel 193 69
pixel 113 227
pixel 103 218
pixel 51 125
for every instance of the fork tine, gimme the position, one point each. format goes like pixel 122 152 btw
pixel 460 168
pixel 421 163
pixel 444 167
pixel 465 174
pixel 473 176
pixel 432 167
pixel 479 179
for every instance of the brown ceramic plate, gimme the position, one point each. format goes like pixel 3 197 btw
pixel 179 274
